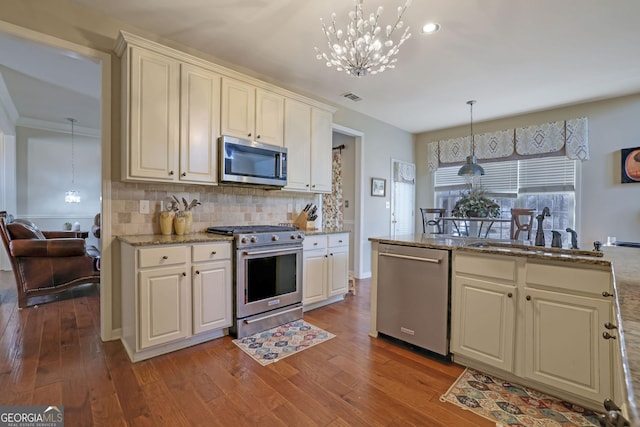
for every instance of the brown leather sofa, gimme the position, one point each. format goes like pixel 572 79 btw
pixel 45 263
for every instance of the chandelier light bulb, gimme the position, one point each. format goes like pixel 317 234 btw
pixel 360 49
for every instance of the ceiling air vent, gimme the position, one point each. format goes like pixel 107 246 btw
pixel 352 96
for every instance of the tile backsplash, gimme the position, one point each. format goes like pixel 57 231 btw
pixel 221 205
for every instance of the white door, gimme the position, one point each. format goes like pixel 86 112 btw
pixel 403 196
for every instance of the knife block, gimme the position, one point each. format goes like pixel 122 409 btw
pixel 302 222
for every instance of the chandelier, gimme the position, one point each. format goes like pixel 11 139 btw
pixel 72 196
pixel 471 168
pixel 363 48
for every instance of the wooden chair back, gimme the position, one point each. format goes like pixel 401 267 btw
pixel 518 225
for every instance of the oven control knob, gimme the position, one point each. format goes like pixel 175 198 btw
pixel 254 239
pixel 300 236
pixel 293 237
pixel 243 240
pixel 275 238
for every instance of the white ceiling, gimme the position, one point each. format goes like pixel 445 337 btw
pixel 512 56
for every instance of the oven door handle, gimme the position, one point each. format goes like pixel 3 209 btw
pixel 249 321
pixel 271 251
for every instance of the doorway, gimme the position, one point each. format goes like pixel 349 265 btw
pixel 38 42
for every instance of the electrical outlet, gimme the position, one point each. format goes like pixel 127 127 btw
pixel 144 206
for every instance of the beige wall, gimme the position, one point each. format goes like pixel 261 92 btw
pixel 605 206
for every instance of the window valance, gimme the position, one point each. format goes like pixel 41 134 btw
pixel 568 137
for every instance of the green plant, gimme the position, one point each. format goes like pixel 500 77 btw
pixel 475 203
pixel 175 205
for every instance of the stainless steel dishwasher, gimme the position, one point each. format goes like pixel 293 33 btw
pixel 413 296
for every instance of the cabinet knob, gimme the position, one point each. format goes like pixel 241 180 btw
pixel 313 186
pixel 326 256
pixel 331 254
pixel 258 136
pixel 607 294
pixel 339 241
pixel 184 274
pixel 184 174
pixel 528 297
pixel 249 134
pixel 165 257
pixel 306 185
pixel 213 252
pixel 510 295
pixel 315 243
pixel 610 326
pixel 170 173
pixel 197 271
pixel 608 336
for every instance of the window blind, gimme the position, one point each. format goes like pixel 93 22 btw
pixel 546 174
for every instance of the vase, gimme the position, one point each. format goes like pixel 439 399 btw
pixel 179 225
pixel 166 223
pixel 188 222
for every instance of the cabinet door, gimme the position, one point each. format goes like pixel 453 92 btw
pixel 199 124
pixel 153 100
pixel 238 109
pixel 483 321
pixel 164 303
pixel 297 140
pixel 338 270
pixel 269 117
pixel 321 156
pixel 211 296
pixel 564 346
pixel 315 276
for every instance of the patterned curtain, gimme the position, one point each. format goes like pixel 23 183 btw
pixel 332 204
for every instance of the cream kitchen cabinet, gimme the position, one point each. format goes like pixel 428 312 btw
pixel 308 138
pixel 252 113
pixel 326 269
pixel 174 296
pixel 539 323
pixel 171 119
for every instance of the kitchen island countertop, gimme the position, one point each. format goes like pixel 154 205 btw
pixel 625 265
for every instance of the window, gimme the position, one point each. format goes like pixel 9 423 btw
pixel 530 183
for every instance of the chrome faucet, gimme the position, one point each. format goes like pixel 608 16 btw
pixel 540 233
pixel 574 238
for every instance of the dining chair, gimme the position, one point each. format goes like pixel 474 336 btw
pixel 518 226
pixel 432 217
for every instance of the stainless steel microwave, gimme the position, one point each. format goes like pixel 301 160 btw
pixel 249 162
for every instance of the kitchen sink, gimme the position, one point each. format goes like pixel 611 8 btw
pixel 521 248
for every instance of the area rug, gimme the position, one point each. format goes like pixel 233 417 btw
pixel 282 341
pixel 510 404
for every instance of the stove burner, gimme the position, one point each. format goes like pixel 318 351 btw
pixel 230 230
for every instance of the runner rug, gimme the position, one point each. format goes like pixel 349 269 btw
pixel 282 341
pixel 510 404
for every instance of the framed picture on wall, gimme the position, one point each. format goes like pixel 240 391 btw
pixel 378 186
pixel 630 165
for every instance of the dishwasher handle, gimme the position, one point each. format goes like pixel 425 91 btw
pixel 413 258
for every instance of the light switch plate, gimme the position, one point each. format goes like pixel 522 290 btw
pixel 144 206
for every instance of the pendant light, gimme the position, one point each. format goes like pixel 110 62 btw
pixel 471 167
pixel 72 196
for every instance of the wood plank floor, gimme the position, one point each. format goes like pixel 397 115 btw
pixel 52 355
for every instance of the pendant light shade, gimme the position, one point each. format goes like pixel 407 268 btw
pixel 471 167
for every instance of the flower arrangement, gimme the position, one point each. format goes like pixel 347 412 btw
pixel 475 203
pixel 175 206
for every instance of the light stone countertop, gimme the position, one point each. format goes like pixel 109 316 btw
pixel 625 264
pixel 159 239
pixel 325 231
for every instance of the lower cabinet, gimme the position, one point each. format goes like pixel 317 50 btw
pixel 537 322
pixel 326 269
pixel 174 296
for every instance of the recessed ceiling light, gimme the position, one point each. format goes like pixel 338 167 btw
pixel 430 28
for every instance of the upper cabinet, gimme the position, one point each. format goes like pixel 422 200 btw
pixel 175 106
pixel 252 113
pixel 307 136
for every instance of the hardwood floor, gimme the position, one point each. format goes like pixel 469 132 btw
pixel 52 355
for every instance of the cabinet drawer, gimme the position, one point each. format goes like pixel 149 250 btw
pixel 583 279
pixel 338 240
pixel 211 252
pixel 499 268
pixel 314 242
pixel 164 255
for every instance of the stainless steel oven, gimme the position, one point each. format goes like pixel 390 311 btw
pixel 267 277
